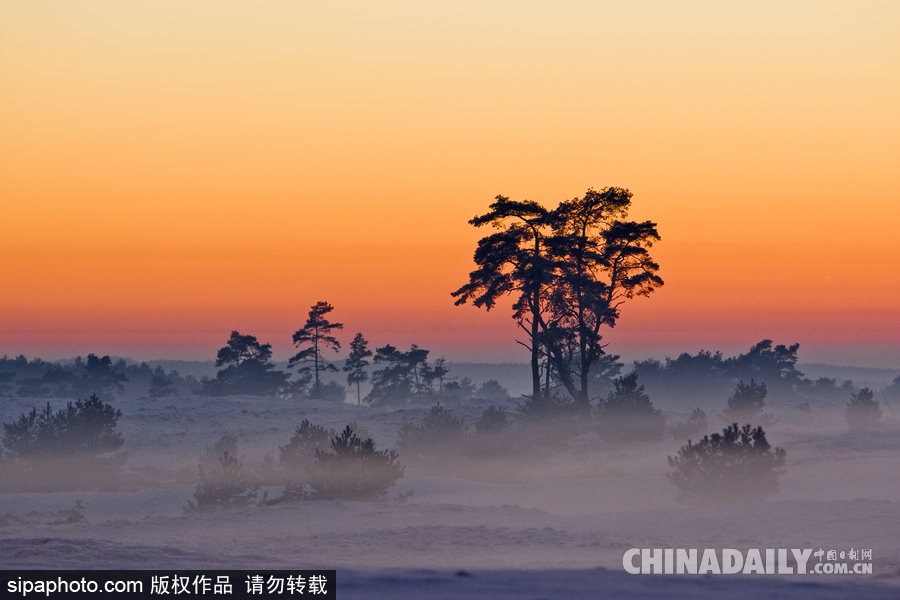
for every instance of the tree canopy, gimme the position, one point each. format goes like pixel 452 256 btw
pixel 316 334
pixel 569 270
pixel 356 364
pixel 248 369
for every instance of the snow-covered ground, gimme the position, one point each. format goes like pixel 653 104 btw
pixel 554 524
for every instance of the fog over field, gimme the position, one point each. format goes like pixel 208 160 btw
pixel 551 515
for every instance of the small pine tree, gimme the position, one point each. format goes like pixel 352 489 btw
pixel 353 470
pixel 297 457
pixel 301 449
pixel 85 427
pixel 747 403
pixel 223 482
pixel 734 466
pixel 438 429
pixel 356 364
pixel 493 436
pixel 492 390
pixel 493 419
pixel 317 334
pixel 546 408
pixel 223 487
pixel 627 414
pixel 76 447
pixel 863 412
pixel 692 429
pixel 161 386
pixel 330 391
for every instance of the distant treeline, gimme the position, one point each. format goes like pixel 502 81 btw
pixel 37 378
pixel 687 381
pixel 703 379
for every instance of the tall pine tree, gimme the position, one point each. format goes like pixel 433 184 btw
pixel 356 364
pixel 316 335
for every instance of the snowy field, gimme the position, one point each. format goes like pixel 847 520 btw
pixel 554 524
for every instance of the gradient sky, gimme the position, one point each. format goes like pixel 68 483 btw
pixel 170 171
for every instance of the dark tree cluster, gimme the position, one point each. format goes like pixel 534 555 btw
pixel 439 427
pixel 403 376
pixel 39 379
pixel 694 428
pixel 352 469
pixel 569 270
pixel 747 404
pixel 224 483
pixel 738 465
pixel 248 369
pixel 863 412
pixel 95 375
pixel 315 464
pixel 407 377
pixel 443 438
pixel 296 458
pixel 74 447
pixel 627 414
pixel 705 377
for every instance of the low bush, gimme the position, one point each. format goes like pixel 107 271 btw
pixel 353 470
pixel 297 457
pixel 331 391
pixel 494 436
pixel 492 420
pixel 693 428
pixel 223 482
pixel 627 415
pixel 74 448
pixel 548 419
pixel 300 450
pixel 437 430
pixel 747 404
pixel 83 427
pixel 492 390
pixel 734 466
pixel 863 412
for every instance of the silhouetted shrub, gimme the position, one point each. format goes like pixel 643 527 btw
pixel 296 458
pixel 692 429
pixel 82 427
pixel 406 377
pixel 438 429
pixel 223 481
pixel 863 412
pixel 248 369
pixel 736 465
pixel 331 391
pixel 353 470
pixel 549 419
pixel 161 386
pixel 494 435
pixel 693 378
pixel 101 376
pixel 747 403
pixel 458 391
pixel 492 390
pixel 545 408
pixel 300 451
pixel 492 419
pixel 65 449
pixel 627 414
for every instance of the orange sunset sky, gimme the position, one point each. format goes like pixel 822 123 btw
pixel 170 171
